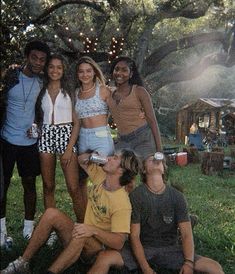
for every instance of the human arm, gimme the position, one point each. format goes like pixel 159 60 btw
pixel 113 240
pixel 66 157
pixel 188 247
pixel 138 249
pixel 105 93
pixel 150 116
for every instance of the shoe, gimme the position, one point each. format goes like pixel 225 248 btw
pixel 18 266
pixel 27 234
pixel 6 242
pixel 52 239
pixel 28 229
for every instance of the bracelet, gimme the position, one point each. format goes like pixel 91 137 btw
pixel 190 261
pixel 185 263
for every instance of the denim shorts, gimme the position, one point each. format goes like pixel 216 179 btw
pixel 55 138
pixel 141 141
pixel 97 139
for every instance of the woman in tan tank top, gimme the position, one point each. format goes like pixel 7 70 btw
pixel 135 131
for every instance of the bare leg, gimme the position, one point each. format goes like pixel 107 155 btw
pixel 48 166
pixel 30 197
pixel 52 219
pixel 204 264
pixel 72 252
pixel 77 192
pixel 105 260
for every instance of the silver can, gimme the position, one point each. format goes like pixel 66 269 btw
pixel 34 130
pixel 98 159
pixel 158 156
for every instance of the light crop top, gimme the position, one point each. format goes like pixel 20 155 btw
pixel 62 109
pixel 92 106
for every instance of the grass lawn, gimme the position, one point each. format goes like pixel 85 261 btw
pixel 210 197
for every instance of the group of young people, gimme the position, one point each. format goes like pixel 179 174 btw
pixel 72 123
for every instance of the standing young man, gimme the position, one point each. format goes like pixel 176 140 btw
pixel 21 87
pixel 107 218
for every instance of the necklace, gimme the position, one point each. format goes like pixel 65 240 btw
pixel 25 93
pixel 154 191
pixel 88 90
pixel 118 98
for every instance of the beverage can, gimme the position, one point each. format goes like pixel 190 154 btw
pixel 158 156
pixel 98 159
pixel 34 130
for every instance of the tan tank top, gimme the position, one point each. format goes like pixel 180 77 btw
pixel 126 113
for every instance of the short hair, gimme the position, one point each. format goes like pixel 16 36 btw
pixel 37 45
pixel 130 165
pixel 98 73
pixel 135 79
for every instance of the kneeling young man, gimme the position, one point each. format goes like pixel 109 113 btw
pixel 158 211
pixel 107 218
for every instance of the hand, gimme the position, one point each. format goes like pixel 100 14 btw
pixel 82 230
pixel 149 270
pixel 186 269
pixel 142 115
pixel 83 159
pixel 66 157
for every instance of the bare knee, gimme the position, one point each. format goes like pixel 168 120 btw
pixel 110 257
pixel 209 266
pixel 51 214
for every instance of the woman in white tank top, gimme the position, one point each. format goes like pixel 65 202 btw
pixel 59 132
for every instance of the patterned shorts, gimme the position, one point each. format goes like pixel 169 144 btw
pixel 55 138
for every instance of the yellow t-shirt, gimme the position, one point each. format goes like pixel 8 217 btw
pixel 107 210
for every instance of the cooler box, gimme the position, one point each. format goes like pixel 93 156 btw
pixel 181 159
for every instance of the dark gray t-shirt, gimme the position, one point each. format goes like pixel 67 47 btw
pixel 158 215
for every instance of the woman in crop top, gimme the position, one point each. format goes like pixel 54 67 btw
pixel 132 110
pixel 92 110
pixel 59 128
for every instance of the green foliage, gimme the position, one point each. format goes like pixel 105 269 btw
pixel 211 198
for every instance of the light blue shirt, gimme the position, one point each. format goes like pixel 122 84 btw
pixel 20 111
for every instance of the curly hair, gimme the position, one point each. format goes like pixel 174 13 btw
pixel 37 45
pixel 135 79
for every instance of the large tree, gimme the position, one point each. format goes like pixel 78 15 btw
pixel 172 41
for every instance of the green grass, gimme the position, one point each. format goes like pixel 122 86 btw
pixel 209 197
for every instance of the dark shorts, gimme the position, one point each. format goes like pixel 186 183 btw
pixel 141 141
pixel 170 257
pixel 26 158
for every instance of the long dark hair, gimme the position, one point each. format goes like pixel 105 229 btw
pixel 135 79
pixel 64 87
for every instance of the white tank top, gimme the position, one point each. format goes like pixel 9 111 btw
pixel 62 109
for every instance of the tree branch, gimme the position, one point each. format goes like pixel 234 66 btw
pixel 192 72
pixel 151 64
pixel 44 17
